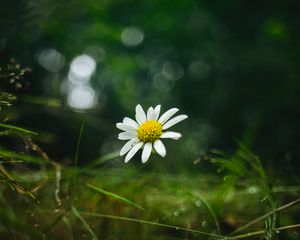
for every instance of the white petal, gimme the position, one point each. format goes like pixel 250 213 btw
pixel 125 127
pixel 126 135
pixel 156 112
pixel 133 151
pixel 146 152
pixel 166 116
pixel 128 121
pixel 173 135
pixel 130 144
pixel 149 113
pixel 140 114
pixel 174 120
pixel 160 148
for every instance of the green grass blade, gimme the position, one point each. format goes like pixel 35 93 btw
pixel 156 224
pixel 78 145
pixel 19 156
pixel 17 128
pixel 10 232
pixel 212 213
pixel 105 158
pixel 86 225
pixel 263 217
pixel 115 196
pixel 50 227
pixel 74 185
pixel 11 161
pixel 260 232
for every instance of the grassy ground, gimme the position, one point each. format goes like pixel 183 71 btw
pixel 107 199
pixel 104 202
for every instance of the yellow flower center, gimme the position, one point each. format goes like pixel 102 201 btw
pixel 149 131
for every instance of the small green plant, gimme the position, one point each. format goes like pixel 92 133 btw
pixel 244 170
pixel 6 99
pixel 244 167
pixel 11 74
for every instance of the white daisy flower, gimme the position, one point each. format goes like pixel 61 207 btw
pixel 147 131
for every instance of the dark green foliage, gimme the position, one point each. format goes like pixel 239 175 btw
pixel 232 66
pixel 243 167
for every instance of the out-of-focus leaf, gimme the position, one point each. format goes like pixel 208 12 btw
pixel 17 128
pixel 87 226
pixel 12 155
pixel 39 100
pixel 115 196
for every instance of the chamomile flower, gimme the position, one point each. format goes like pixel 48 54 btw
pixel 146 131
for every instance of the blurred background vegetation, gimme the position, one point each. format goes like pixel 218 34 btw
pixel 232 66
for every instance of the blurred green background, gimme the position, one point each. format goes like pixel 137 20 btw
pixel 232 66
